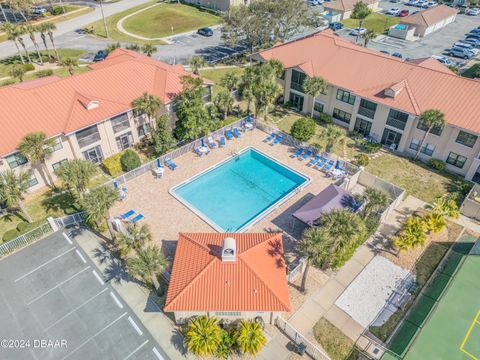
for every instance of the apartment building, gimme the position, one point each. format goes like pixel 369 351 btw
pixel 382 97
pixel 89 115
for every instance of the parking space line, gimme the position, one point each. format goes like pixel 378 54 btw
pixel 80 256
pixel 135 326
pixel 78 307
pixel 119 304
pixel 98 277
pixel 58 285
pixel 94 335
pixel 44 264
pixel 67 238
pixel 134 351
pixel 157 354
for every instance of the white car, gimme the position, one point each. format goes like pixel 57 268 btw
pixel 429 4
pixel 444 60
pixel 473 12
pixel 313 2
pixel 420 3
pixel 358 31
pixel 393 11
pixel 412 3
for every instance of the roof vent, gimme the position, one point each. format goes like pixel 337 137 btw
pixel 93 104
pixel 229 250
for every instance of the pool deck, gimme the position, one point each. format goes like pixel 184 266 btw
pixel 167 216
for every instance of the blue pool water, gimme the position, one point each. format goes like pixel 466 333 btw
pixel 235 193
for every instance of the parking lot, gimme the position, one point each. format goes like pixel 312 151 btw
pixel 54 304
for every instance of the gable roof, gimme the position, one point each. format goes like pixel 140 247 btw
pixel 431 63
pixel 201 281
pixel 368 73
pixel 54 105
pixel 346 5
pixel 430 16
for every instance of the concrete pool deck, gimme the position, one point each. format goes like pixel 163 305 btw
pixel 167 216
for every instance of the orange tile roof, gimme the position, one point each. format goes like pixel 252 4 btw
pixel 430 16
pixel 54 105
pixel 367 73
pixel 346 5
pixel 201 281
pixel 431 63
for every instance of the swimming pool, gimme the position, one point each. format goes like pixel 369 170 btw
pixel 234 194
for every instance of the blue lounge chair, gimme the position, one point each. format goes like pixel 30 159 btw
pixel 329 165
pixel 314 160
pixel 271 137
pixel 236 132
pixel 170 163
pixel 277 140
pixel 211 142
pixel 321 163
pixel 137 218
pixel 307 154
pixel 197 151
pixel 222 141
pixel 298 152
pixel 228 134
pixel 159 164
pixel 126 215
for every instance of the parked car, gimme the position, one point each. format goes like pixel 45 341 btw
pixel 475 31
pixel 461 53
pixel 444 60
pixel 358 31
pixel 429 4
pixel 313 2
pixel 336 26
pixel 473 36
pixel 473 42
pixel 395 1
pixel 412 3
pixel 100 55
pixel 466 46
pixel 473 12
pixel 397 54
pixel 404 13
pixel 420 3
pixel 38 10
pixel 385 52
pixel 205 32
pixel 393 11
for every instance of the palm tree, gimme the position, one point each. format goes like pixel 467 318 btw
pixel 271 90
pixel 17 72
pixel 31 30
pixel 333 134
pixel 276 66
pixel 49 28
pixel 133 47
pixel 369 35
pixel 147 104
pixel 112 47
pixel 12 32
pixel 148 49
pixel 430 119
pixel 434 223
pixel 229 81
pixel 37 148
pixel 196 62
pixel 412 235
pixel 76 175
pixel 250 337
pixel 13 187
pixel 21 31
pixel 42 29
pixel 247 85
pixel 315 247
pixel 148 264
pixel 97 204
pixel 70 64
pixel 375 201
pixel 224 101
pixel 202 336
pixel 446 206
pixel 135 238
pixel 314 86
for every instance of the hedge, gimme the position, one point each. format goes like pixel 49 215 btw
pixel 112 164
pixel 130 160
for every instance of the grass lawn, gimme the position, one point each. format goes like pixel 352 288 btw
pixel 216 75
pixel 337 345
pixel 62 72
pixel 375 21
pixel 159 21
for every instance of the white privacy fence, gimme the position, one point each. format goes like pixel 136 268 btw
pixel 297 271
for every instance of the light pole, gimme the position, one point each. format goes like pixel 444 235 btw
pixel 104 21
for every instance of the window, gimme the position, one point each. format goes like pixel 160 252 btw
pixel 88 136
pixel 456 160
pixel 427 149
pixel 397 119
pixel 466 139
pixel 33 180
pixel 124 141
pixel 94 155
pixel 318 107
pixel 16 160
pixel 367 108
pixel 58 144
pixel 342 115
pixel 58 164
pixel 297 80
pixel 143 129
pixel 436 130
pixel 228 313
pixel 345 96
pixel 120 123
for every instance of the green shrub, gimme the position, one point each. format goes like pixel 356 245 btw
pixel 56 10
pixel 112 165
pixel 325 118
pixel 130 160
pixel 371 147
pixel 44 73
pixel 362 160
pixel 22 226
pixel 372 222
pixel 10 234
pixel 437 164
pixel 8 82
pixel 303 129
pixel 28 67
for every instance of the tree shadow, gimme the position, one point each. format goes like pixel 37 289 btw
pixel 63 202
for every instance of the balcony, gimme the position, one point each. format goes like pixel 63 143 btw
pixel 366 112
pixel 396 123
pixel 88 139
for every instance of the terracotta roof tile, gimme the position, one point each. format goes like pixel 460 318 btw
pixel 430 16
pixel 345 5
